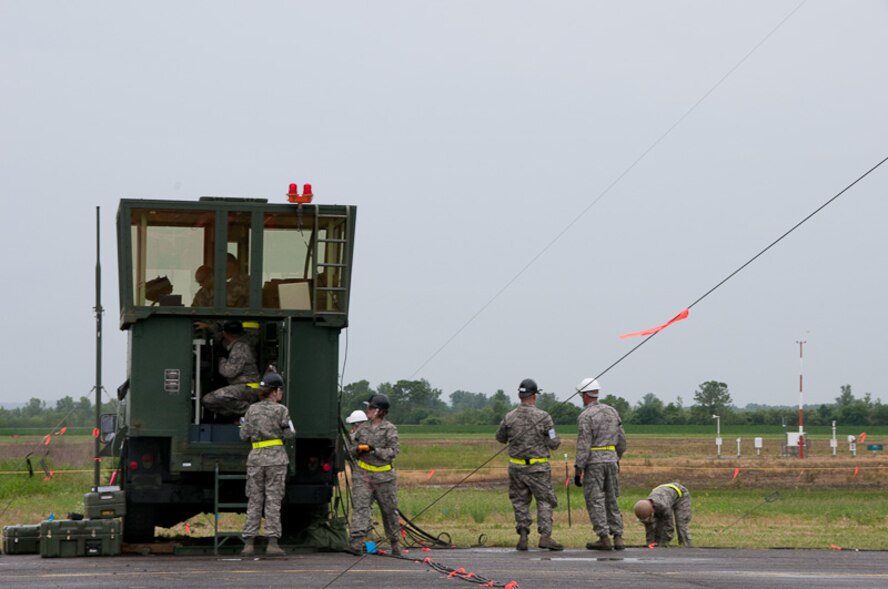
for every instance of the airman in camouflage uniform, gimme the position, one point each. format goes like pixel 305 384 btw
pixel 375 444
pixel 239 367
pixel 237 288
pixel 665 502
pixel 204 295
pixel 530 433
pixel 600 445
pixel 266 424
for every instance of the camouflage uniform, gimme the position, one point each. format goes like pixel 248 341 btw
pixel 237 291
pixel 598 429
pixel 530 434
pixel 369 484
pixel 670 500
pixel 239 368
pixel 203 297
pixel 266 466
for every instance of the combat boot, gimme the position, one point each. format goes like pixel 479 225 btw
pixel 273 549
pixel 355 547
pixel 546 541
pixel 248 547
pixel 618 543
pixel 522 539
pixel 396 549
pixel 603 543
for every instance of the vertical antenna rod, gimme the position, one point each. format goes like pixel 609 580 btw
pixel 98 310
pixel 801 406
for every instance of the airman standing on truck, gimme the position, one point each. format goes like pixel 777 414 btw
pixel 239 367
pixel 266 424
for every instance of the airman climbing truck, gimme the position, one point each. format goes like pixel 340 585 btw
pixel 292 262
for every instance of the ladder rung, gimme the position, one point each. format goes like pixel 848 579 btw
pixel 332 241
pixel 331 264
pixel 232 477
pixel 223 505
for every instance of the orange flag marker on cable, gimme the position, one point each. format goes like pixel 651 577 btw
pixel 430 475
pixel 862 437
pixel 856 470
pixel 736 472
pixel 46 440
pixel 679 317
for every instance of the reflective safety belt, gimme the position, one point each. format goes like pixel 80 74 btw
pixel 614 448
pixel 527 460
pixel 267 443
pixel 671 486
pixel 250 324
pixel 372 468
pixel 252 385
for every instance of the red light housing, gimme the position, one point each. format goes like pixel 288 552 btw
pixel 133 465
pixel 293 194
pixel 327 467
pixel 306 195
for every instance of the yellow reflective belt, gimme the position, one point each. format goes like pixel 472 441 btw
pixel 372 468
pixel 250 324
pixel 252 385
pixel 670 485
pixel 527 460
pixel 603 448
pixel 267 443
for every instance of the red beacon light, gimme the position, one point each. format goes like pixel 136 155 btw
pixel 294 196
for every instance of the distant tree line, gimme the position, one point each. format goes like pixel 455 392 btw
pixel 67 411
pixel 417 402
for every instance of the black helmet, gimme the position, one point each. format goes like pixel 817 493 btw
pixel 378 402
pixel 233 327
pixel 527 388
pixel 272 380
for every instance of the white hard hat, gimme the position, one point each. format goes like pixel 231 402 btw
pixel 357 416
pixel 588 385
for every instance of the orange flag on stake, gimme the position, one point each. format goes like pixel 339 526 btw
pixel 46 440
pixel 430 475
pixel 862 437
pixel 736 472
pixel 856 470
pixel 652 330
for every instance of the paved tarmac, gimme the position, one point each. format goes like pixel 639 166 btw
pixel 634 568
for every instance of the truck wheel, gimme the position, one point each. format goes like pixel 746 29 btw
pixel 138 523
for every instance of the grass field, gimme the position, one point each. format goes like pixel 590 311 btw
pixel 456 484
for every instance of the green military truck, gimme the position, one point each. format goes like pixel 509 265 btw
pixel 283 270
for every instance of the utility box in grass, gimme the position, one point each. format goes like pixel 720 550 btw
pixel 105 503
pixel 21 539
pixel 86 537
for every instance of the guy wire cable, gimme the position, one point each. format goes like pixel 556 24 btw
pixel 610 186
pixel 648 338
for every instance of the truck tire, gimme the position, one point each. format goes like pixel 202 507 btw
pixel 138 523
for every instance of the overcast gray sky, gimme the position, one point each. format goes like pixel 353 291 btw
pixel 471 135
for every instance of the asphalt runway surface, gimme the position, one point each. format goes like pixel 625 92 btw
pixel 634 568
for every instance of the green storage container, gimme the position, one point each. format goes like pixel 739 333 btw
pixel 86 537
pixel 21 539
pixel 104 504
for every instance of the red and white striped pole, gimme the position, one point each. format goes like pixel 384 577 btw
pixel 801 406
